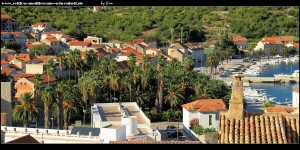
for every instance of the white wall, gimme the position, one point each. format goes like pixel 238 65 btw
pixel 295 99
pixel 121 58
pixel 34 68
pixel 113 134
pixel 204 120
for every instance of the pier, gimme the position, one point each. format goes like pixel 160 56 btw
pixel 271 80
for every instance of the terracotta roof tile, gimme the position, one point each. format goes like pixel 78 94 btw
pixel 128 48
pixel 206 105
pixel 52 38
pixel 136 54
pixel 4 61
pixel 259 129
pixel 21 75
pixel 239 39
pixel 44 77
pixel 79 43
pixel 5 16
pixel 279 109
pixel 39 23
pixel 27 139
pixel 296 44
pixel 138 41
pixel 7 70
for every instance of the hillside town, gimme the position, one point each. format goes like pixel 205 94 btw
pixel 56 88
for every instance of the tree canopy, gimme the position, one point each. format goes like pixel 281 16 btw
pixel 41 50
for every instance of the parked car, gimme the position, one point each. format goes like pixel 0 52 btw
pixel 171 129
pixel 33 124
pixel 224 75
pixel 174 134
pixel 181 138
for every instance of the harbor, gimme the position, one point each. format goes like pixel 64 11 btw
pixel 263 80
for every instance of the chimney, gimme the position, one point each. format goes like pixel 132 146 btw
pixel 192 107
pixel 236 104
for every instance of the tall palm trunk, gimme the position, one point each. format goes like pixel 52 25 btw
pixel 61 74
pixel 60 114
pixel 46 117
pixel 65 124
pixel 160 95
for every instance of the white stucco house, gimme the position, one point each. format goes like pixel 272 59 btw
pixel 296 98
pixel 196 52
pixel 206 110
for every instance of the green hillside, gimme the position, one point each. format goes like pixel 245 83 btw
pixel 198 24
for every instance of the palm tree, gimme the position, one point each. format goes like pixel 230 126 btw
pixel 188 63
pixel 50 70
pixel 139 97
pixel 68 107
pixel 273 52
pixel 213 60
pixel 37 85
pixel 73 60
pixel 61 87
pixel 47 100
pixel 284 51
pixel 174 95
pixel 90 58
pixel 160 82
pixel 69 63
pixel 61 62
pixel 114 83
pixel 112 65
pixel 26 110
pixel 131 62
pixel 145 65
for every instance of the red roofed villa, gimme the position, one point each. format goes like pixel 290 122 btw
pixel 206 110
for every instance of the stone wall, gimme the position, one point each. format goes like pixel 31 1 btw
pixel 6 99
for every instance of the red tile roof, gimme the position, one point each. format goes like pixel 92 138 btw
pixel 138 41
pixel 296 90
pixel 79 43
pixel 21 75
pixel 44 77
pixel 128 48
pixel 5 16
pixel 296 44
pixel 279 109
pixel 239 39
pixel 40 23
pixel 206 105
pixel 136 54
pixel 129 43
pixel 29 46
pixel 278 38
pixel 52 38
pixel 7 70
pixel 257 129
pixel 4 61
pixel 26 57
pixel 122 65
pixel 27 139
pixel 9 57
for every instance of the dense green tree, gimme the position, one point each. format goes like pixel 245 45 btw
pixel 13 45
pixel 41 49
pixel 26 110
pixel 47 98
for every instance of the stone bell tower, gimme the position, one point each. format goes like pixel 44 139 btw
pixel 236 104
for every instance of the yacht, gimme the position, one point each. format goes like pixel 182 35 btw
pixel 294 75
